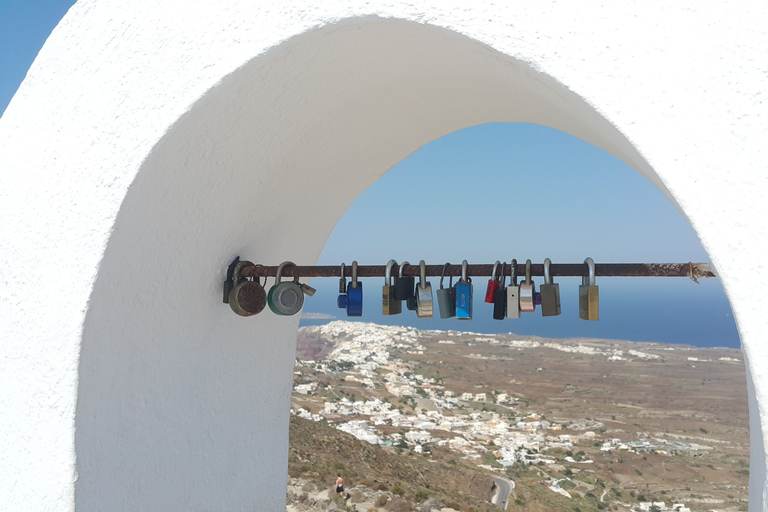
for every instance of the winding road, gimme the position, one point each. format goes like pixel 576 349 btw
pixel 503 488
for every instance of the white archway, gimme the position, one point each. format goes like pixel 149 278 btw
pixel 174 402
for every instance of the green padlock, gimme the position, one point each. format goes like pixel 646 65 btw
pixel 285 298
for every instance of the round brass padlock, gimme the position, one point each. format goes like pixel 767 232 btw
pixel 247 298
pixel 285 298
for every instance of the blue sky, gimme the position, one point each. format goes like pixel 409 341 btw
pixel 496 191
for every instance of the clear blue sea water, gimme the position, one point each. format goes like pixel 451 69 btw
pixel 668 310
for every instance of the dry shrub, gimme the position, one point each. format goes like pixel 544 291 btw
pixel 367 483
pixel 453 505
pixel 381 501
pixel 399 505
pixel 297 470
pixel 382 487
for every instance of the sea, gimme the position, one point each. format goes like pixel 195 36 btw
pixel 664 310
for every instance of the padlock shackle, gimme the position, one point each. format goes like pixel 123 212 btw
pixel 495 268
pixel 388 272
pixel 527 271
pixel 591 264
pixel 280 270
pixel 403 265
pixel 464 271
pixel 422 274
pixel 442 276
pixel 354 274
pixel 513 273
pixel 503 278
pixel 547 277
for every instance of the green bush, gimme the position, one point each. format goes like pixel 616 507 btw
pixel 420 496
pixel 397 490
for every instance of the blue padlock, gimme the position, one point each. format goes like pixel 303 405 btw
pixel 352 298
pixel 464 295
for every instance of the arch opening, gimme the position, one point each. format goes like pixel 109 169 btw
pixel 263 166
pixel 513 168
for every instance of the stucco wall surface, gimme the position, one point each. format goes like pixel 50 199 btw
pixel 151 142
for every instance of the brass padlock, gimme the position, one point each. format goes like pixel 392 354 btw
pixel 390 305
pixel 246 298
pixel 589 294
pixel 550 293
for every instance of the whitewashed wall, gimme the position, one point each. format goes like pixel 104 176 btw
pixel 151 142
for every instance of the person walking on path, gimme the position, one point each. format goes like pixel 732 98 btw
pixel 339 485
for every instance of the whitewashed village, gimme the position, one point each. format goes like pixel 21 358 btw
pixel 409 411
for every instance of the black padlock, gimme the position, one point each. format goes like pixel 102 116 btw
pixel 446 297
pixel 500 297
pixel 405 287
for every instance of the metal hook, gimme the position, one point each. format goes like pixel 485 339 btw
pixel 442 276
pixel 388 273
pixel 591 264
pixel 354 274
pixel 514 272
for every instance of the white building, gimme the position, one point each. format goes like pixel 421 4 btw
pixel 418 436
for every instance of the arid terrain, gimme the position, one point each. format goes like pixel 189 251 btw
pixel 577 424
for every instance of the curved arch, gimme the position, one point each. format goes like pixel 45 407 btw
pixel 181 404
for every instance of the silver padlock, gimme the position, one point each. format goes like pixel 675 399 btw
pixel 246 298
pixel 589 294
pixel 527 291
pixel 285 298
pixel 513 294
pixel 550 293
pixel 424 304
pixel 446 297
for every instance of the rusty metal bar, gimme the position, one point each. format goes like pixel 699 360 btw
pixel 690 270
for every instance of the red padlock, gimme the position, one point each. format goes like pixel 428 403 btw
pixel 493 284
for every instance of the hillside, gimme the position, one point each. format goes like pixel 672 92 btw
pixel 577 424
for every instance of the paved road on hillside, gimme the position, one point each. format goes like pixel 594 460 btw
pixel 503 488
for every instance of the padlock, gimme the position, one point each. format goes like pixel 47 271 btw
pixel 446 297
pixel 464 295
pixel 355 294
pixel 404 285
pixel 229 283
pixel 341 300
pixel 527 291
pixel 285 298
pixel 500 297
pixel 246 298
pixel 550 293
pixel 308 290
pixel 513 293
pixel 390 305
pixel 342 281
pixel 589 294
pixel 424 303
pixel 493 284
